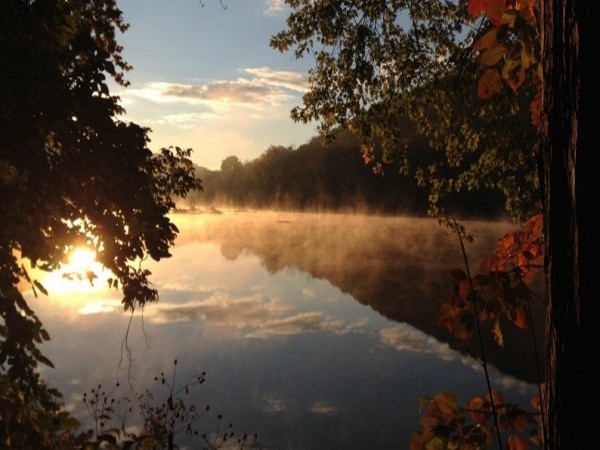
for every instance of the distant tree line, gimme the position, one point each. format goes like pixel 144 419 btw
pixel 332 176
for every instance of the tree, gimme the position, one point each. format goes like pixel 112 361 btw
pixel 381 63
pixel 570 165
pixel 72 173
pixel 378 60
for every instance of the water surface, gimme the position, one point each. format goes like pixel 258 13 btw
pixel 315 331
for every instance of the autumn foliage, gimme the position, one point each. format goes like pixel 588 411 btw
pixel 508 48
pixel 503 292
pixel 503 288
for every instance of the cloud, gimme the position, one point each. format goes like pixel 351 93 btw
pixel 403 337
pixel 99 307
pixel 273 8
pixel 293 81
pixel 186 121
pixel 239 91
pixel 261 89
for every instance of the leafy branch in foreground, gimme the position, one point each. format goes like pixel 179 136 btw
pixel 504 290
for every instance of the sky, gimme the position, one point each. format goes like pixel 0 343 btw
pixel 205 77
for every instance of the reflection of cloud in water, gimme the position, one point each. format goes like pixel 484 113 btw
pixel 274 403
pixel 323 408
pixel 309 293
pixel 303 322
pixel 403 337
pixel 265 318
pixel 220 309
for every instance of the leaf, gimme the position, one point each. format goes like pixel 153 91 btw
pixel 487 40
pixel 447 403
pixel 489 84
pixel 497 333
pixel 416 441
pixel 493 8
pixel 40 287
pixel 498 397
pixel 536 403
pixel 480 409
pixel 492 55
pixel 476 8
pixel 429 422
pixel 516 443
pixel 521 318
pixel 436 443
pixel 516 83
pixel 41 358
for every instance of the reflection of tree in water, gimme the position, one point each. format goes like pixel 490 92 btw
pixel 231 250
pixel 399 267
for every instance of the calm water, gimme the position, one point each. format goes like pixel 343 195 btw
pixel 315 331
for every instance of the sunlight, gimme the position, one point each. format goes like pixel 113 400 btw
pixel 82 273
pixel 82 259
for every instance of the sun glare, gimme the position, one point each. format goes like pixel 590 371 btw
pixel 81 273
pixel 82 259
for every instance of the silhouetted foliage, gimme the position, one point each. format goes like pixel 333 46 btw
pixel 71 174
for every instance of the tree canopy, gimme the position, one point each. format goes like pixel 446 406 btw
pixel 72 171
pixel 377 63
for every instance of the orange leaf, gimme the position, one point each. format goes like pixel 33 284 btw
pixel 517 443
pixel 480 409
pixel 416 441
pixel 536 403
pixel 521 318
pixel 447 403
pixel 492 55
pixel 489 84
pixel 487 40
pixel 497 333
pixel 498 398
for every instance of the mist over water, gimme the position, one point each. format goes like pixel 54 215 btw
pixel 315 330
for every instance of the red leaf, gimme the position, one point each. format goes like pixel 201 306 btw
pixel 493 8
pixel 521 318
pixel 517 443
pixel 476 8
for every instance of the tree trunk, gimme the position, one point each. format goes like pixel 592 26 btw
pixel 569 159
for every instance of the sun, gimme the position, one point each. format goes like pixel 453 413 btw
pixel 81 259
pixel 80 273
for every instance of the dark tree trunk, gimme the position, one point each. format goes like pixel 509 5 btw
pixel 569 158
